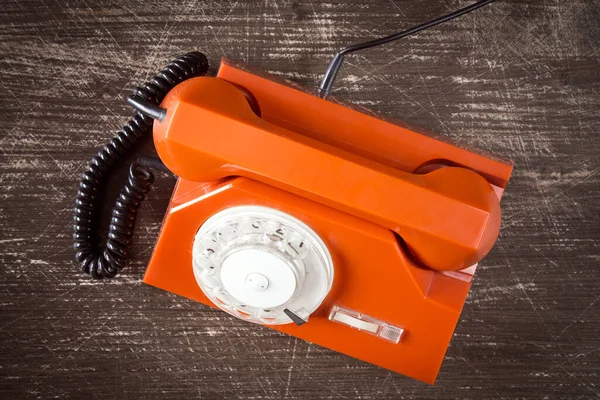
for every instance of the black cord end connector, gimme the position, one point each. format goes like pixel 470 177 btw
pixel 147 108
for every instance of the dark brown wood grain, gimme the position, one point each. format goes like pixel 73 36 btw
pixel 520 78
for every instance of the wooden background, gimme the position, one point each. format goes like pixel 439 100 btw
pixel 520 78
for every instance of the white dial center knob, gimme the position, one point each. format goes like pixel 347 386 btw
pixel 257 277
pixel 257 282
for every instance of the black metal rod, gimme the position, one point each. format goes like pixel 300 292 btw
pixel 147 108
pixel 334 67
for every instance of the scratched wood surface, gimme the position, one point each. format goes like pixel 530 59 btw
pixel 519 78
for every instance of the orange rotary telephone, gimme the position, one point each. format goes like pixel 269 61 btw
pixel 302 214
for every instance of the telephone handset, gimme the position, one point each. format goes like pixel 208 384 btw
pixel 300 213
pixel 448 218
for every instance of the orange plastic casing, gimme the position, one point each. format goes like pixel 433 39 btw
pixel 350 177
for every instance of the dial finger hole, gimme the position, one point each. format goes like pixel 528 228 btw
pixel 296 248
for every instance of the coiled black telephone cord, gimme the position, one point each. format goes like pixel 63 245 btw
pixel 108 262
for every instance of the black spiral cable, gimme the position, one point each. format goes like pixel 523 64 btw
pixel 108 262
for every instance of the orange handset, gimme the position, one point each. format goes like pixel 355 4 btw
pixel 449 218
